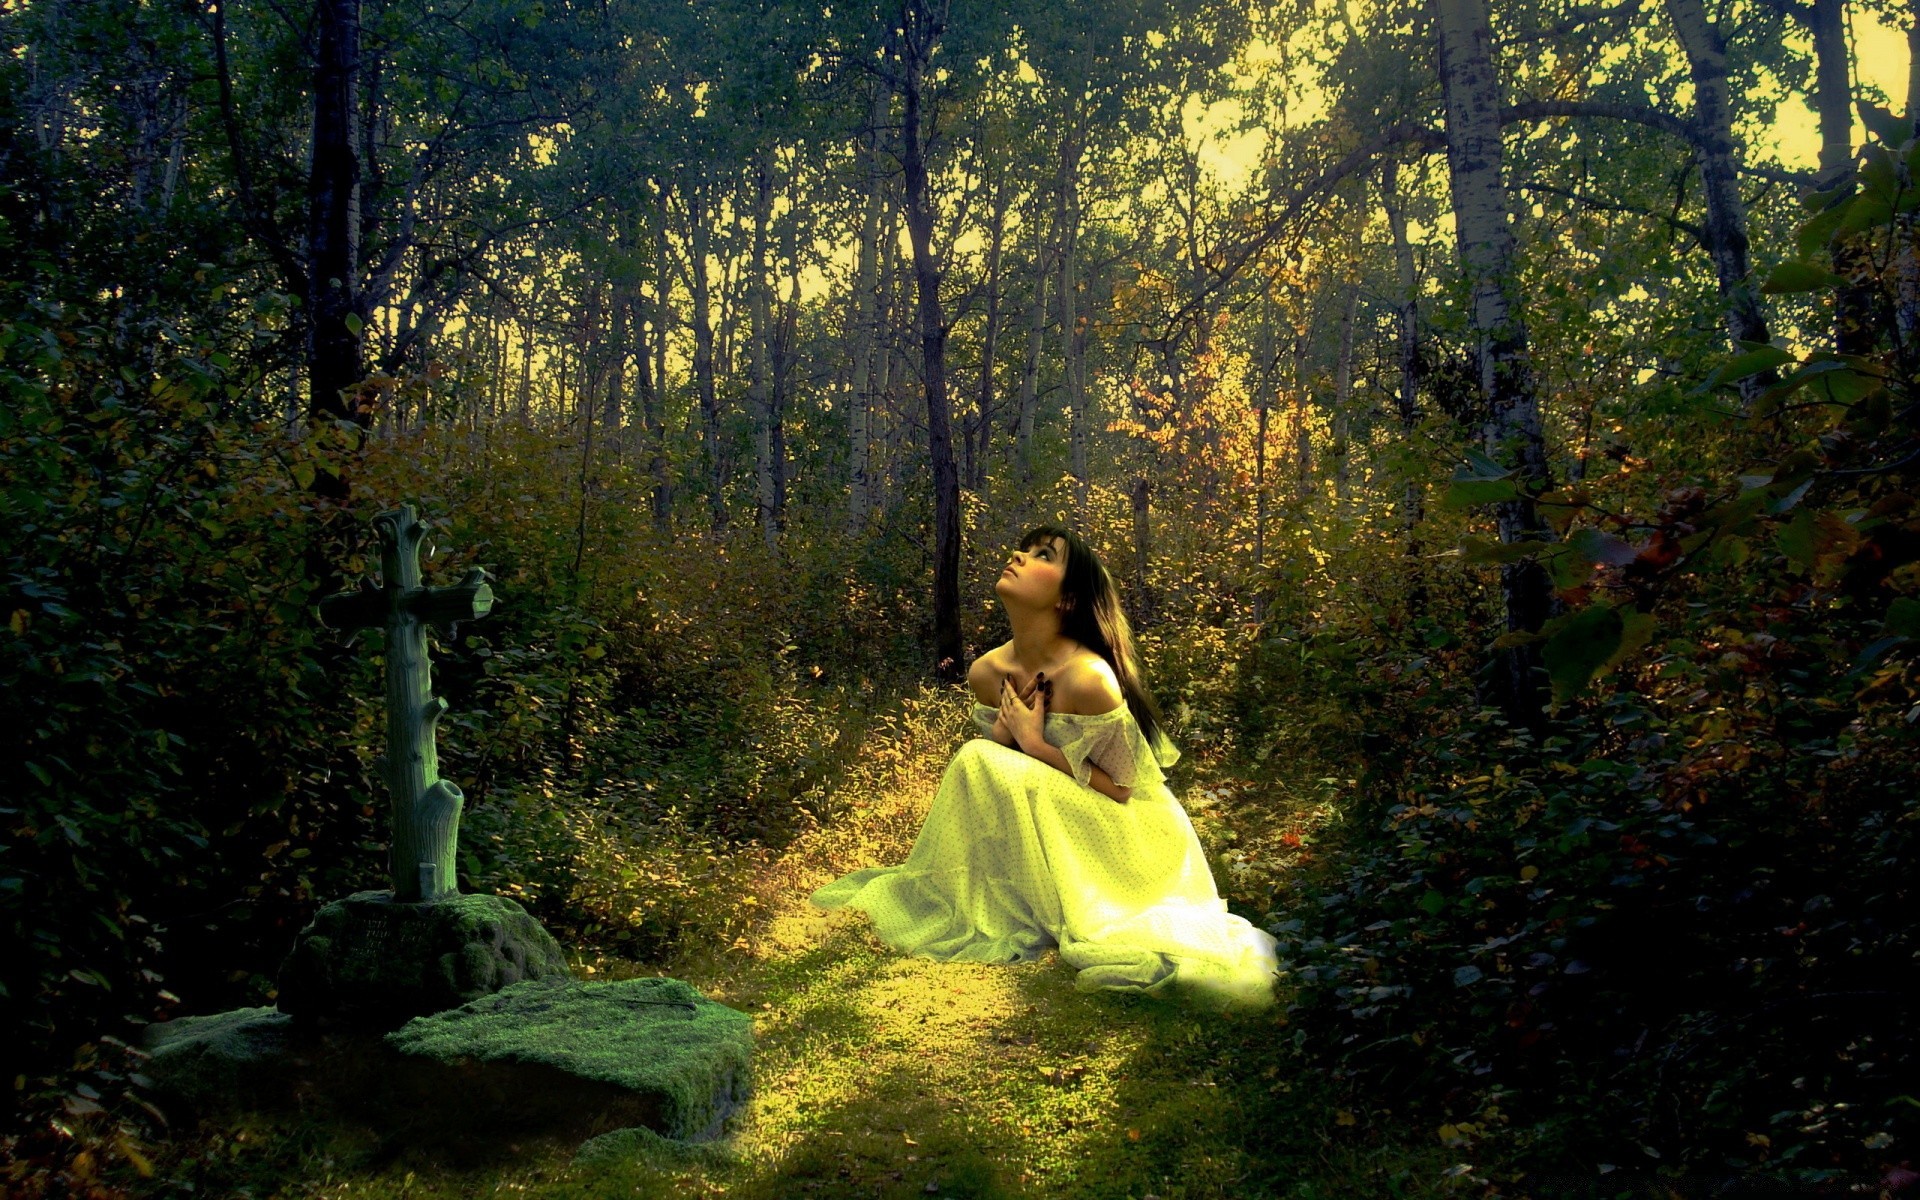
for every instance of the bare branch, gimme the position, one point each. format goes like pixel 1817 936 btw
pixel 1594 202
pixel 1637 114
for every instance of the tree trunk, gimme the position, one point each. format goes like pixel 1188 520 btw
pixel 1512 433
pixel 1140 501
pixel 1342 417
pixel 920 28
pixel 990 336
pixel 1906 316
pixel 1036 338
pixel 1266 364
pixel 866 331
pixel 333 345
pixel 786 329
pixel 526 371
pixel 607 340
pixel 1302 412
pixel 700 240
pixel 1407 396
pixel 1833 88
pixel 1264 400
pixel 632 327
pixel 886 417
pixel 1720 177
pixel 1072 323
pixel 1853 325
pixel 759 345
pixel 659 462
pixel 1913 68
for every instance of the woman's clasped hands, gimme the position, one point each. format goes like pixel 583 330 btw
pixel 1022 721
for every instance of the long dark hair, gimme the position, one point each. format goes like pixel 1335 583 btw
pixel 1095 619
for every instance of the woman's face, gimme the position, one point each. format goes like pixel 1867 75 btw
pixel 1033 576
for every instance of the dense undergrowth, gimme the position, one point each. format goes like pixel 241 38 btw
pixel 189 756
pixel 1670 926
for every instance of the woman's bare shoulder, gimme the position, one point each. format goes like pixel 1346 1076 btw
pixel 1088 686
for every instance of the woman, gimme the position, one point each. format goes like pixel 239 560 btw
pixel 1056 827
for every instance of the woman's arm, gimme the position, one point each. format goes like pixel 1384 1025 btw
pixel 1028 722
pixel 1097 778
pixel 1081 691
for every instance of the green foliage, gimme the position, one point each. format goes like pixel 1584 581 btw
pixel 192 755
pixel 1680 920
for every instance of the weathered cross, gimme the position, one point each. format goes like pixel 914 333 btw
pixel 426 808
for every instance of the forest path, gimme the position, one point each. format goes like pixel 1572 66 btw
pixel 879 1075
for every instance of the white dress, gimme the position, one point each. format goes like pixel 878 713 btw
pixel 1017 856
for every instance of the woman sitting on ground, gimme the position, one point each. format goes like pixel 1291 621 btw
pixel 1056 828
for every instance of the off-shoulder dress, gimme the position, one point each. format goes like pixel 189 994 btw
pixel 1016 856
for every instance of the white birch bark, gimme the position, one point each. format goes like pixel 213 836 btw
pixel 1512 433
pixel 1072 327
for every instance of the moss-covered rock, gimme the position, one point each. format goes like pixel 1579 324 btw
pixel 235 1056
pixel 653 1053
pixel 638 1144
pixel 370 962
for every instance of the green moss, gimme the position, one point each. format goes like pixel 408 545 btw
pixel 229 1056
pixel 657 1038
pixel 640 1145
pixel 367 960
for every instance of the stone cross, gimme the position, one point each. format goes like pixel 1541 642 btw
pixel 426 808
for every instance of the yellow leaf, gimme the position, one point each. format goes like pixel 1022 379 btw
pixel 19 622
pixel 1344 1117
pixel 1133 1135
pixel 132 1154
pixel 1529 872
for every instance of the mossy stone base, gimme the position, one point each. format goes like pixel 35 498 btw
pixel 653 1053
pixel 237 1056
pixel 370 962
pixel 650 1057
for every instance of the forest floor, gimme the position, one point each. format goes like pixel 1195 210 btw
pixel 877 1075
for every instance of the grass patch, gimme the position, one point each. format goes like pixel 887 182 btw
pixel 883 1076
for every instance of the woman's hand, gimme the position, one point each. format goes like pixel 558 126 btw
pixel 1000 732
pixel 1025 722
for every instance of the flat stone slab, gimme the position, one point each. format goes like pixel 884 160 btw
pixel 651 1063
pixel 371 962
pixel 237 1056
pixel 648 1053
